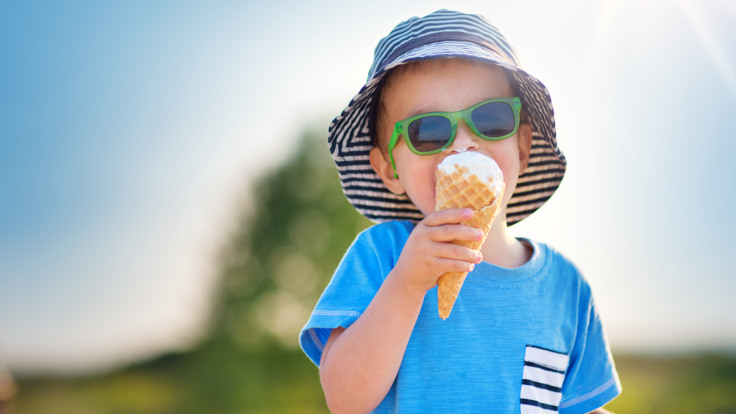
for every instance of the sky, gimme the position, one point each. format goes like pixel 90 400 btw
pixel 130 132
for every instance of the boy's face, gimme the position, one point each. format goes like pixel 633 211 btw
pixel 445 85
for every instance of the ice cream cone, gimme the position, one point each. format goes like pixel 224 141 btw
pixel 467 180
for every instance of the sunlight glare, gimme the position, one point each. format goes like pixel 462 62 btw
pixel 714 49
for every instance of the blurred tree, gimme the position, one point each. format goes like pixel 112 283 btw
pixel 284 251
pixel 273 267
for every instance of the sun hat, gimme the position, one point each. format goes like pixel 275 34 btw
pixel 442 34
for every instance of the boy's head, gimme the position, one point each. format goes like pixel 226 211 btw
pixel 446 61
pixel 417 96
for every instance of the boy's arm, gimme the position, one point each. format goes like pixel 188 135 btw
pixel 359 364
pixel 600 411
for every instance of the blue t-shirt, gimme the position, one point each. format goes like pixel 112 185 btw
pixel 521 340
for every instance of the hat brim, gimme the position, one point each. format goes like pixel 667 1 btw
pixel 350 143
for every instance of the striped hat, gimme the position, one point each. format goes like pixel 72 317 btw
pixel 442 34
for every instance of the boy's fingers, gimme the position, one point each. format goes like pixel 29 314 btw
pixel 452 232
pixel 450 265
pixel 452 216
pixel 459 253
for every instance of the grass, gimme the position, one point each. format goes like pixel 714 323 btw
pixel 676 384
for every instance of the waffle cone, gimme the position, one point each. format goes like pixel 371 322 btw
pixel 462 189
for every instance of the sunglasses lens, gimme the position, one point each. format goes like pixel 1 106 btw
pixel 494 119
pixel 429 133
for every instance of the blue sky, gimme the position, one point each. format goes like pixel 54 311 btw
pixel 129 133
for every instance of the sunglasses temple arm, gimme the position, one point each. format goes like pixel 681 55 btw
pixel 393 163
pixel 391 144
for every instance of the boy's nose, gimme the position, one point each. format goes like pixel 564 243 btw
pixel 465 138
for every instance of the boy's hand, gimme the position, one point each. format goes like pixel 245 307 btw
pixel 430 252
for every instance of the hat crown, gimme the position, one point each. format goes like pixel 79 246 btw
pixel 440 26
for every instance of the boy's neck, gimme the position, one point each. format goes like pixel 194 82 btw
pixel 502 249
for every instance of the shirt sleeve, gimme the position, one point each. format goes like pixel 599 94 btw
pixel 591 381
pixel 353 286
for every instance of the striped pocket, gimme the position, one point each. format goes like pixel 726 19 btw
pixel 541 384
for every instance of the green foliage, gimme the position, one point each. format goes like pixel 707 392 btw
pixel 285 250
pixel 676 385
pixel 219 381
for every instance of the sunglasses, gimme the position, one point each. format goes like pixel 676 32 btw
pixel 433 132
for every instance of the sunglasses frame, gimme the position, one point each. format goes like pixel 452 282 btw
pixel 454 118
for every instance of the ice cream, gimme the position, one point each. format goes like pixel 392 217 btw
pixel 467 180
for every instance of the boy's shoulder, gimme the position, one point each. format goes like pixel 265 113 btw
pixel 552 260
pixel 560 264
pixel 556 256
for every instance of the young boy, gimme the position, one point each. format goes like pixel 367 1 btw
pixel 524 335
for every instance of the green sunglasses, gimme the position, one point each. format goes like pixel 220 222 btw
pixel 433 132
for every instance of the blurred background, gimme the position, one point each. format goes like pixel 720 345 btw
pixel 169 213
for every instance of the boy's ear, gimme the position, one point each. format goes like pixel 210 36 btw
pixel 385 170
pixel 525 146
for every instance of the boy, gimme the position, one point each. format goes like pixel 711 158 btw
pixel 524 335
